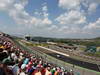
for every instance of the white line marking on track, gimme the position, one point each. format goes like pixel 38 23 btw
pixel 54 51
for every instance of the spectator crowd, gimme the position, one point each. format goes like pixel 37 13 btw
pixel 15 61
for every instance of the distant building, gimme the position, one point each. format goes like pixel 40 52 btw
pixel 91 49
pixel 52 43
pixel 98 49
pixel 28 38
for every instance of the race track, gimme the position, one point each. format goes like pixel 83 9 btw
pixel 68 59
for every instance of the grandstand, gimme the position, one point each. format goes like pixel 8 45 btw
pixel 16 59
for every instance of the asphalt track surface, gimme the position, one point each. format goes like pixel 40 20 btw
pixel 83 64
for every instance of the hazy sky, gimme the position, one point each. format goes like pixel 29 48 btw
pixel 51 18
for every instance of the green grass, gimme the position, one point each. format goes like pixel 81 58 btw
pixel 97 54
pixel 83 49
pixel 33 44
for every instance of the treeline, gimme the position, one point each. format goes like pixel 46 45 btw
pixel 91 42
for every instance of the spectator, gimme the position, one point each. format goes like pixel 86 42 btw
pixel 19 62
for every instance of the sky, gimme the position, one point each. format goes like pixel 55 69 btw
pixel 51 18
